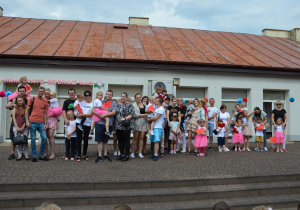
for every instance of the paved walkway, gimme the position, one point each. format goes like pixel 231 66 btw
pixel 170 167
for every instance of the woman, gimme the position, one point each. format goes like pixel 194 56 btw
pixel 279 113
pixel 20 126
pixel 191 127
pixel 259 113
pixel 140 125
pixel 123 125
pixel 87 106
pixel 225 117
pixel 145 100
pixel 169 113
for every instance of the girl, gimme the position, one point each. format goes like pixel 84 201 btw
pixel 19 126
pixel 279 134
pixel 247 130
pixel 98 99
pixel 70 135
pixel 237 138
pixel 158 93
pixel 53 112
pixel 23 82
pixel 174 133
pixel 101 109
pixel 201 139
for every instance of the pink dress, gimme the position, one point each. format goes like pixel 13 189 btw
pixel 200 140
pixel 99 111
pixel 279 135
pixel 238 137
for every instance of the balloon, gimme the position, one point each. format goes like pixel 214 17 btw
pixel 106 104
pixel 206 99
pixel 273 139
pixel 183 101
pixel 292 99
pixel 200 131
pixel 2 94
pixel 245 99
pixel 151 108
pixel 240 100
pixel 7 93
pixel 259 127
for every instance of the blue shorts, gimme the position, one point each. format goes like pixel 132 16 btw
pixel 157 135
pixel 100 135
pixel 210 129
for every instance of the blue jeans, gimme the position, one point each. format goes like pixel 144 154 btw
pixel 265 138
pixel 34 126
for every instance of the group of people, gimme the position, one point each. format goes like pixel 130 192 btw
pixel 166 121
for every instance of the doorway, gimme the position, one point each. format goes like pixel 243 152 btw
pixel 268 106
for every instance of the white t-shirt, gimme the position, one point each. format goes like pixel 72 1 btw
pixel 54 102
pixel 97 103
pixel 70 128
pixel 151 114
pixel 210 112
pixel 224 117
pixel 159 122
pixel 222 131
pixel 75 106
pixel 239 128
pixel 259 132
pixel 244 109
pixel 86 109
pixel 279 128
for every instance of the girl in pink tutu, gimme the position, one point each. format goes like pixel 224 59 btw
pixel 23 82
pixel 238 137
pixel 279 134
pixel 201 139
pixel 101 109
pixel 98 99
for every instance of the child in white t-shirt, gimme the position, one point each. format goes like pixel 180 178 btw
pixel 97 103
pixel 70 136
pixel 78 109
pixel 259 133
pixel 221 136
pixel 151 114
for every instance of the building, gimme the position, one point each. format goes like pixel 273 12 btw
pixel 60 54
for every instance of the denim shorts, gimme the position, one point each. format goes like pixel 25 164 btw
pixel 210 129
pixel 100 135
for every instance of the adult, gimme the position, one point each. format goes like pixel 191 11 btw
pixel 50 130
pixel 68 105
pixel 212 112
pixel 159 114
pixel 100 137
pixel 225 117
pixel 140 125
pixel 87 107
pixel 203 103
pixel 145 100
pixel 183 110
pixel 20 125
pixel 197 114
pixel 279 112
pixel 124 125
pixel 10 105
pixel 258 113
pixel 37 121
pixel 173 108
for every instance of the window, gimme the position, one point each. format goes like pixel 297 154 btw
pixel 274 95
pixel 131 90
pixel 230 97
pixel 190 93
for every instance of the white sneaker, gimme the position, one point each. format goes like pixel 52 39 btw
pixel 220 150
pixel 265 148
pixel 141 155
pixel 132 155
pixel 183 151
pixel 116 153
pixel 226 149
pixel 177 150
pixel 151 133
pixel 255 149
pixel 119 153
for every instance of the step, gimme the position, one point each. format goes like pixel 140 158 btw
pixel 155 195
pixel 110 185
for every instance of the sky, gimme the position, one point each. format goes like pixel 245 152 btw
pixel 240 16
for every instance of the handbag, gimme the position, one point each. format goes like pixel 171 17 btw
pixel 267 126
pixel 20 139
pixel 126 123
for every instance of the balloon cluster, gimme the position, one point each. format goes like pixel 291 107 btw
pixel 5 94
pixel 240 100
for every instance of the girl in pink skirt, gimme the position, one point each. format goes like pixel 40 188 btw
pixel 100 108
pixel 279 134
pixel 238 137
pixel 201 139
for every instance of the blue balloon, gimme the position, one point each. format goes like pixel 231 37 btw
pixel 183 100
pixel 292 99
pixel 7 93
pixel 240 100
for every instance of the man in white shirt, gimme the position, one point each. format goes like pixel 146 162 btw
pixel 159 115
pixel 212 112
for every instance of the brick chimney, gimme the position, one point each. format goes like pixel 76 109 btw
pixel 142 21
pixel 1 11
pixel 293 34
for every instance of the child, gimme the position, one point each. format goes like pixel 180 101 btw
pixel 237 138
pixel 221 136
pixel 166 103
pixel 190 109
pixel 279 134
pixel 158 93
pixel 151 114
pixel 54 108
pixel 78 109
pixel 247 130
pixel 99 96
pixel 174 133
pixel 23 82
pixel 70 136
pixel 201 139
pixel 259 135
pixel 101 109
pixel 243 106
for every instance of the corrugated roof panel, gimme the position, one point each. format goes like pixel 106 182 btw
pixel 170 47
pixel 192 52
pixel 19 34
pixel 133 47
pixel 93 44
pixel 4 20
pixel 288 43
pixel 204 48
pixel 282 57
pixel 29 43
pixel 12 25
pixel 50 45
pixel 217 46
pixel 113 43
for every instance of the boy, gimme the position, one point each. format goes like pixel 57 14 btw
pixel 78 109
pixel 259 135
pixel 150 115
pixel 221 136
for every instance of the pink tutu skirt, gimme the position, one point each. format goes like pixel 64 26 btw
pixel 238 138
pixel 279 137
pixel 200 141
pixel 98 111
pixel 54 111
pixel 15 94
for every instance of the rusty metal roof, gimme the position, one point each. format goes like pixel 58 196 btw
pixel 80 39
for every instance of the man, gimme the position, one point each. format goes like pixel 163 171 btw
pixel 10 106
pixel 183 110
pixel 159 115
pixel 37 122
pixel 212 112
pixel 100 137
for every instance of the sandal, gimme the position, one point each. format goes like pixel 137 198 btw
pixel 248 149
pixel 86 158
pixel 189 153
pixel 78 159
pixel 51 157
pixel 195 153
pixel 27 158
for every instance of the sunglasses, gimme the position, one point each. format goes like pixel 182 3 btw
pixel 87 95
pixel 278 104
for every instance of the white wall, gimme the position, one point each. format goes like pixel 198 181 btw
pixel 213 83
